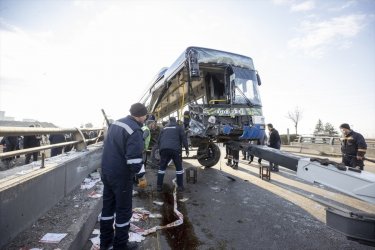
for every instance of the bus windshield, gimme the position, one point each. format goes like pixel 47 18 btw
pixel 246 90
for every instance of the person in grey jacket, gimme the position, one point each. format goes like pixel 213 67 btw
pixel 171 140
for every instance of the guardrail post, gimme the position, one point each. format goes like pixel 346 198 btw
pixel 78 136
pixel 331 140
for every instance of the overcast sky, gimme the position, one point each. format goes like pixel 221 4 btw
pixel 63 61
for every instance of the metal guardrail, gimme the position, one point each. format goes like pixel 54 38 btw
pixel 330 140
pixel 78 138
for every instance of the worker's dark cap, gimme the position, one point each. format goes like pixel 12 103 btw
pixel 138 110
pixel 172 119
pixel 345 125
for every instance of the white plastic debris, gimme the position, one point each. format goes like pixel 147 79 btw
pixel 95 175
pixel 95 240
pixel 175 223
pixel 94 195
pixel 89 183
pixel 135 237
pixel 159 203
pixel 216 189
pixel 52 238
pixel 155 216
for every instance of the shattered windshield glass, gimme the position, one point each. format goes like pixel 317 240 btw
pixel 246 90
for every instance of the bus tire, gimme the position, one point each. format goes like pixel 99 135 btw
pixel 208 154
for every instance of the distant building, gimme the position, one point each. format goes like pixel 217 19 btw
pixel 29 120
pixel 5 118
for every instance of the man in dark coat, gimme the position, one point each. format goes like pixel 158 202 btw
pixel 273 142
pixel 170 142
pixel 353 147
pixel 10 143
pixel 55 139
pixel 121 162
pixel 31 141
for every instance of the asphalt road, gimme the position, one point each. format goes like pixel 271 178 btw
pixel 248 213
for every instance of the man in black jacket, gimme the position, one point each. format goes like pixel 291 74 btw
pixel 10 143
pixel 273 142
pixel 31 141
pixel 170 142
pixel 353 147
pixel 121 162
pixel 55 139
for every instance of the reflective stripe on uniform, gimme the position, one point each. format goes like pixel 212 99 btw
pixel 107 218
pixel 125 126
pixel 180 172
pixel 134 161
pixel 123 224
pixel 142 169
pixel 161 172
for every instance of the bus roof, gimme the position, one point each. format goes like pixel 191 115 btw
pixel 209 56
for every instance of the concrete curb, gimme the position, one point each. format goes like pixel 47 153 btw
pixel 87 226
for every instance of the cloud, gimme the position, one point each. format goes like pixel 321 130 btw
pixel 318 37
pixel 282 2
pixel 296 7
pixel 345 5
pixel 304 6
pixel 84 4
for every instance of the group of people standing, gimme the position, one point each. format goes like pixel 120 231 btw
pixel 12 143
pixel 274 141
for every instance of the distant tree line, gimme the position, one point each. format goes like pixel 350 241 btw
pixel 326 129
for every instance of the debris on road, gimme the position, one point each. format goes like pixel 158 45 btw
pixel 52 237
pixel 159 203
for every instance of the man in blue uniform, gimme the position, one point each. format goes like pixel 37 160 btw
pixel 121 162
pixel 353 147
pixel 170 142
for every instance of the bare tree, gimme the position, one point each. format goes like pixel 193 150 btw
pixel 295 116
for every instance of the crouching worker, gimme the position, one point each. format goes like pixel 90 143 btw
pixel 121 162
pixel 170 142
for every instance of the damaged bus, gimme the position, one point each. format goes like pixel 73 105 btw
pixel 215 94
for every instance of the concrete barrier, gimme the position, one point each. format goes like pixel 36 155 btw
pixel 27 196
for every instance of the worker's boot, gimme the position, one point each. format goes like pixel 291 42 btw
pixel 229 162
pixel 235 165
